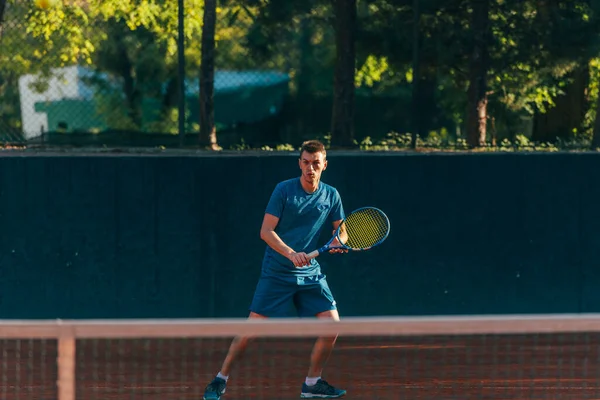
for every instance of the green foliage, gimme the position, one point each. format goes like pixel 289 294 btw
pixel 441 141
pixel 534 46
pixel 280 147
pixel 109 106
pixel 373 70
pixel 437 141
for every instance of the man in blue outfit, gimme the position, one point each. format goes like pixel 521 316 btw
pixel 297 211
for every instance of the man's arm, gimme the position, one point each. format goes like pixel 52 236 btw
pixel 268 234
pixel 343 234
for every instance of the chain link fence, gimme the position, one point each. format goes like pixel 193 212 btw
pixel 106 73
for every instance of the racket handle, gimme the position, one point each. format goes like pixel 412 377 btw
pixel 314 254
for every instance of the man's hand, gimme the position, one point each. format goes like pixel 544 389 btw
pixel 335 243
pixel 299 259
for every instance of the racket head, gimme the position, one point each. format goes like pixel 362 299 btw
pixel 363 229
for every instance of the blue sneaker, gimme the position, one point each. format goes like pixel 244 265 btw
pixel 215 389
pixel 321 390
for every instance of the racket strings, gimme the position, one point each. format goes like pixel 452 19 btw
pixel 364 228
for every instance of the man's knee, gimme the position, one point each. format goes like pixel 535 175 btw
pixel 254 315
pixel 243 340
pixel 333 315
pixel 329 314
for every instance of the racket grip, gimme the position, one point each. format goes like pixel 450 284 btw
pixel 314 254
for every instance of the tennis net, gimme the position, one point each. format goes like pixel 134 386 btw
pixel 475 357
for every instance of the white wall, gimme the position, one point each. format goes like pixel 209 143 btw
pixel 62 85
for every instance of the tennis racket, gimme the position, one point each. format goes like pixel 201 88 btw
pixel 362 229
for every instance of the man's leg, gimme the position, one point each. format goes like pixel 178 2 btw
pixel 236 349
pixel 216 388
pixel 315 299
pixel 271 298
pixel 323 347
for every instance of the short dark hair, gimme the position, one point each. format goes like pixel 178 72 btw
pixel 312 146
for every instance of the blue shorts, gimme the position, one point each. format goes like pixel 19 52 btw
pixel 276 297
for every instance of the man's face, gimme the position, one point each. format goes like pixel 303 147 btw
pixel 312 165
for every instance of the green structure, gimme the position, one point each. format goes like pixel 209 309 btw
pixel 241 97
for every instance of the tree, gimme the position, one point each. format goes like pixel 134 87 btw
pixel 2 7
pixel 478 69
pixel 208 132
pixel 342 121
pixel 132 43
pixel 571 41
pixel 596 128
pixel 416 68
pixel 532 64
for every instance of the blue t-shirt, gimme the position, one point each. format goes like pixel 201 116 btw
pixel 301 216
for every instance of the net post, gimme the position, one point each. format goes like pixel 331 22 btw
pixel 66 363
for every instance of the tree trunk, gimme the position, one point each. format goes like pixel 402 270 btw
pixel 303 104
pixel 208 132
pixel 416 67
pixel 2 8
pixel 342 120
pixel 306 59
pixel 133 95
pixel 478 68
pixel 596 134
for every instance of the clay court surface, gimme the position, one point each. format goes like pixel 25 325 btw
pixel 565 366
